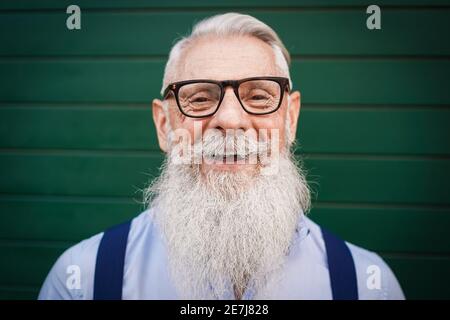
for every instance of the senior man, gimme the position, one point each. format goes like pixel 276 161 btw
pixel 226 218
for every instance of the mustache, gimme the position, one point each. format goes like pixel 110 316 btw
pixel 237 144
pixel 232 146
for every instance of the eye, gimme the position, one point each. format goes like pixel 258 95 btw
pixel 259 97
pixel 200 99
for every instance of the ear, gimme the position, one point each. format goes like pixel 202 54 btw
pixel 160 119
pixel 294 112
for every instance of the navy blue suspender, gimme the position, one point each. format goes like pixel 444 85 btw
pixel 341 268
pixel 109 267
pixel 108 279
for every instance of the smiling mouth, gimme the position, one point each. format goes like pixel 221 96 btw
pixel 228 159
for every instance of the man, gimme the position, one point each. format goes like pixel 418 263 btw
pixel 226 219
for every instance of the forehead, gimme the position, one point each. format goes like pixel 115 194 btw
pixel 227 58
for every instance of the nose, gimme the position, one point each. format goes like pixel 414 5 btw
pixel 230 115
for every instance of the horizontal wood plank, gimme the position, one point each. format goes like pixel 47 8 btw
pixel 14 292
pixel 317 32
pixel 321 81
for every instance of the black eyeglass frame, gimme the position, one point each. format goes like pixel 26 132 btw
pixel 176 86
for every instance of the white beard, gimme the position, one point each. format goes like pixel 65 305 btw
pixel 223 228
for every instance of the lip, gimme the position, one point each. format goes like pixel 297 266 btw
pixel 230 167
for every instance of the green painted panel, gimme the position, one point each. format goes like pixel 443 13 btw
pixel 426 278
pixel 28 264
pixel 18 293
pixel 388 228
pixel 377 81
pixel 374 130
pixel 87 127
pixel 380 180
pixel 62 219
pixel 106 174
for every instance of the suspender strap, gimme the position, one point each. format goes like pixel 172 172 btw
pixel 108 279
pixel 341 268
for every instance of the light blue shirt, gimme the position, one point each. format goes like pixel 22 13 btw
pixel 304 273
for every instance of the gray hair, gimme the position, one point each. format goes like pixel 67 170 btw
pixel 229 24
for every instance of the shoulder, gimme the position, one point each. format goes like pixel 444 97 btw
pixel 73 272
pixel 72 275
pixel 375 278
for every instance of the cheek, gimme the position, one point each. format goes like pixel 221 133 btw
pixel 194 128
pixel 270 126
pixel 177 119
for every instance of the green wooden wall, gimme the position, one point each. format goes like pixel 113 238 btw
pixel 77 140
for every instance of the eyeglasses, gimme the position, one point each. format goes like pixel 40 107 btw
pixel 202 98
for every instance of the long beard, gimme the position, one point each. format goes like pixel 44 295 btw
pixel 226 230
